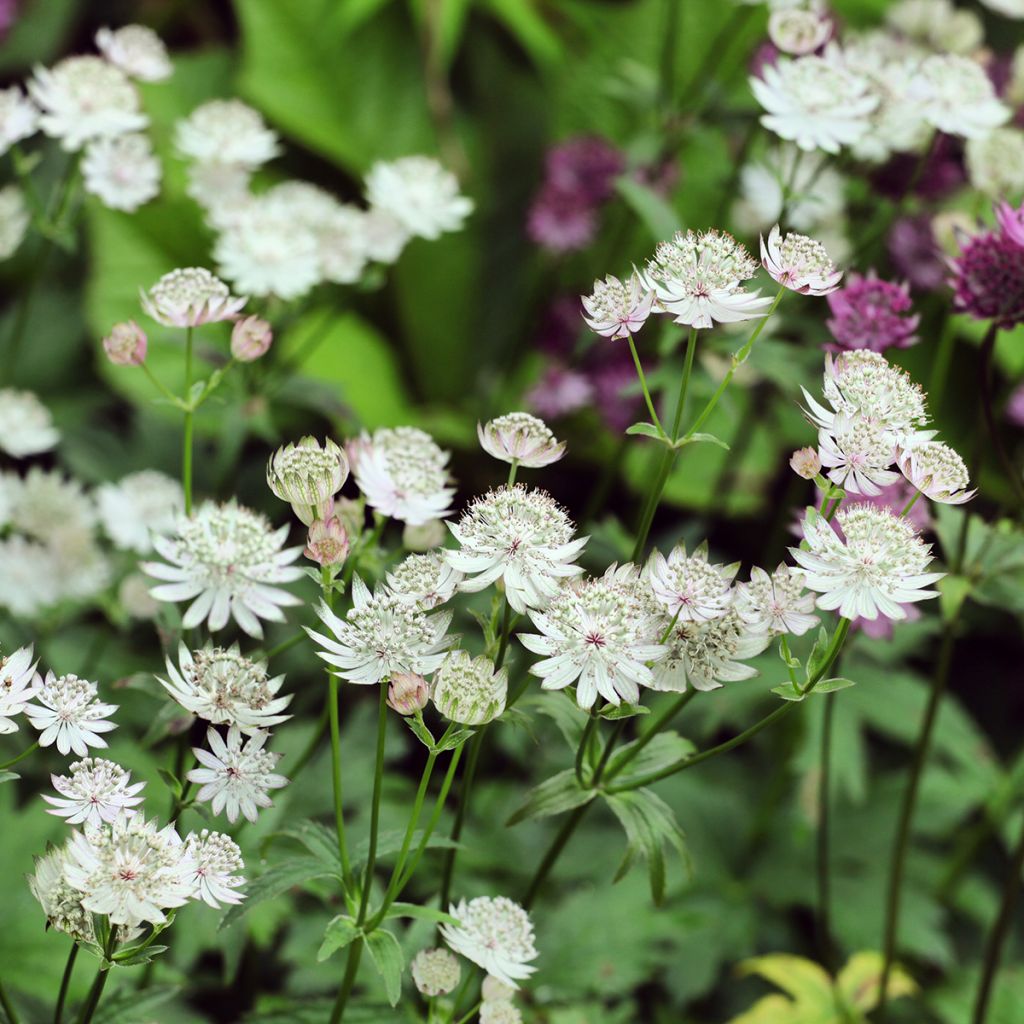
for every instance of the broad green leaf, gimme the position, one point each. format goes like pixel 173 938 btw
pixel 665 749
pixel 567 715
pixel 647 430
pixel 340 932
pixel 560 793
pixel 276 881
pixel 387 957
pixel 953 591
pixel 613 712
pixel 789 691
pixel 708 438
pixel 860 981
pixel 317 838
pixel 655 212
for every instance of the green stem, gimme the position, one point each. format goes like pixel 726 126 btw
pixel 987 352
pixel 512 470
pixel 65 981
pixel 355 953
pixel 378 781
pixel 825 946
pixel 186 441
pixel 286 645
pixel 460 814
pixel 96 992
pixel 581 750
pixel 506 631
pixel 333 698
pixel 21 757
pixel 160 386
pixel 909 505
pixel 8 1006
pixel 464 1019
pixel 643 384
pixel 667 713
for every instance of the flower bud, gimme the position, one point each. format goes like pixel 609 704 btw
pixel 805 462
pixel 308 476
pixel 435 972
pixel 126 344
pixel 424 537
pixel 327 542
pixel 407 693
pixel 250 339
pixel 468 690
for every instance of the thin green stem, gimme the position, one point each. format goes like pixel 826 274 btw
pixel 8 1006
pixel 643 384
pixel 285 645
pixel 186 440
pixel 96 992
pixel 506 631
pixel 21 757
pixel 909 505
pixel 465 788
pixel 332 714
pixel 581 750
pixel 940 367
pixel 65 981
pixel 658 721
pixel 512 470
pixel 160 386
pixel 355 954
pixel 824 920
pixel 464 1019
pixel 378 782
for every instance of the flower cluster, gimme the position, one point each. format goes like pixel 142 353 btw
pixel 988 274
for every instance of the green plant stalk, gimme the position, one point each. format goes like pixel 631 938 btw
pixel 8 1006
pixel 581 750
pixel 513 469
pixel 468 776
pixel 940 367
pixel 96 992
pixel 658 722
pixel 506 631
pixel 186 440
pixel 643 384
pixel 21 757
pixel 909 505
pixel 825 946
pixel 355 954
pixel 65 981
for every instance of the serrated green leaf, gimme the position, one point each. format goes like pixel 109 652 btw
pixel 560 793
pixel 276 881
pixel 387 957
pixel 128 958
pixel 563 710
pixel 339 933
pixel 665 749
pixel 419 729
pixel 453 740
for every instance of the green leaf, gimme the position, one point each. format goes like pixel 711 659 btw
pixel 816 659
pixel 136 956
pixel 420 730
pixel 339 933
pixel 387 957
pixel 276 881
pixel 789 691
pixel 693 438
pixel 665 749
pixel 613 712
pixel 562 709
pixel 453 740
pixel 170 780
pixel 419 913
pixel 132 1006
pixel 560 793
pixel 647 430
pixel 317 838
pixel 831 685
pixel 9 776
pixel 860 981
pixel 523 19
pixel 655 213
pixel 953 591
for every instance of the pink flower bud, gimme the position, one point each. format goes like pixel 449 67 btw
pixel 126 344
pixel 407 693
pixel 327 542
pixel 250 339
pixel 805 462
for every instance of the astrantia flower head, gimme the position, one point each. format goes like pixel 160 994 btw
pixel 381 635
pixel 222 190
pixel 226 132
pixel 777 603
pixel 26 426
pixel 858 453
pixel 799 263
pixel 19 117
pixel 408 693
pixel 226 560
pixel 599 634
pixel 17 673
pixel 956 96
pixel 130 870
pixel 85 98
pixel 61 902
pixel 217 858
pixel 520 536
pixel 403 474
pixel 189 297
pixel 697 277
pixel 816 102
pixel 308 475
pixel 875 567
pixel 96 791
pixel 224 687
pixel 138 506
pixel 122 171
pixel 493 990
pixel 520 438
pixel 617 309
pixel 799 30
pixel 235 775
pixel 995 162
pixel 419 193
pixel 938 472
pixel 137 50
pixel 689 585
pixel 468 690
pixel 495 934
pixel 435 972
pixel 384 235
pixel 937 24
pixel 870 313
pixel 425 580
pixel 988 278
pixel 500 1012
pixel 126 344
pixel 1011 222
pixel 69 713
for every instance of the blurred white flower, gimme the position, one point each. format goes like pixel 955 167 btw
pixel 26 426
pixel 19 117
pixel 226 132
pixel 384 234
pixel 137 50
pixel 68 712
pixel 435 972
pixel 419 193
pixel 29 574
pixel 956 96
pixel 995 162
pixel 495 934
pixel 468 690
pixel 96 791
pixel 190 297
pixel 618 309
pixel 799 30
pixel 519 437
pixel 424 536
pixel 17 672
pixel 221 189
pixel 138 506
pixel 216 858
pixel 135 599
pixel 937 24
pixel 499 1012
pixel 123 171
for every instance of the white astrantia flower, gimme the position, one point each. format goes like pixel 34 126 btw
pixel 138 506
pixel 468 690
pixel 384 234
pixel 403 473
pixel 19 117
pixel 937 472
pixel 520 438
pixel 419 193
pixel 217 858
pixel 493 990
pixel 617 309
pixel 221 189
pixel 190 297
pixel 689 586
pixel 698 278
pixel 29 576
pixel 123 171
pixel 599 634
pixel 224 687
pixel 425 580
pixel 226 132
pixel 875 567
pixel 26 426
pixel 1008 8
pixel 96 791
pixel 17 687
pixel 67 712
pixel 47 505
pixel 995 162
pixel 61 902
pixel 130 870
pixel 381 635
pixel 520 536
pixel 14 220
pixel 777 602
pixel 494 933
pixel 799 263
pixel 937 24
pixel 706 654
pixel 500 1012
pixel 816 102
pixel 435 972
pixel 235 775
pixel 228 561
pixel 137 50
pixel 308 475
pixel 956 96
pixel 85 98
pixel 857 452
pixel 798 30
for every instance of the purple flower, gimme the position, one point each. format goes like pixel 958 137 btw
pixel 1015 406
pixel 871 313
pixel 988 279
pixel 943 172
pixel 584 168
pixel 916 254
pixel 766 55
pixel 561 221
pixel 559 392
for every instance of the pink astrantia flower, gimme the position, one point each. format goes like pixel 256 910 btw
pixel 938 472
pixel 988 279
pixel 799 263
pixel 871 313
pixel 190 297
pixel 617 309
pixel 561 221
pixel 522 439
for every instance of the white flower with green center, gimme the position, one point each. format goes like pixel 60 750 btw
pixel 521 537
pixel 228 561
pixel 435 972
pixel 308 475
pixel 17 672
pixel 956 96
pixel 123 172
pixel 69 713
pixel 495 934
pixel 707 654
pixel 426 580
pixel 14 220
pixel 521 439
pixel 217 858
pixel 875 567
pixel 190 297
pixel 382 635
pixel 138 506
pixel 403 473
pixel 85 98
pixel 26 426
pixel 19 117
pixel 599 634
pixel 698 278
pixel 617 309
pixel 777 603
pixel 224 687
pixel 857 453
pixel 689 586
pixel 995 162
pixel 96 791
pixel 419 193
pixel 137 50
pixel 61 901
pixel 468 690
pixel 938 472
pixel 799 263
pixel 226 132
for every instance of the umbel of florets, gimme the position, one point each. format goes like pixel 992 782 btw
pixel 468 690
pixel 308 475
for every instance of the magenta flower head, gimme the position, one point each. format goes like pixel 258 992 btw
pixel 1011 222
pixel 585 167
pixel 916 254
pixel 126 344
pixel 561 221
pixel 871 313
pixel 988 278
